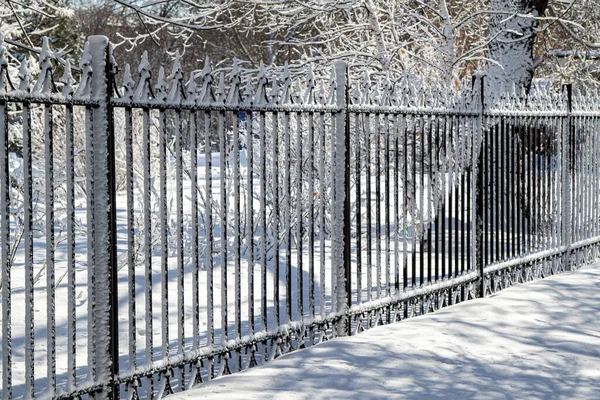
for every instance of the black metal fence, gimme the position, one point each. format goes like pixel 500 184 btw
pixel 188 229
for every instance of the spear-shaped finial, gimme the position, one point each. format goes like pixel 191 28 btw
pixel 3 64
pixel 25 75
pixel 85 63
pixel 67 80
pixel 161 85
pixel 142 92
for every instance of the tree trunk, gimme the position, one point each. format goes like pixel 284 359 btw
pixel 512 36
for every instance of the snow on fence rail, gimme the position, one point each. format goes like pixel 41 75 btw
pixel 158 233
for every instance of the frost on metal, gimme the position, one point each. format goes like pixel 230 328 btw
pixel 239 179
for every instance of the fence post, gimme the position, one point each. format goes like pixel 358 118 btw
pixel 567 172
pixel 102 190
pixel 341 202
pixel 478 87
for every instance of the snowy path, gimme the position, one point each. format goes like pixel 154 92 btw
pixel 538 340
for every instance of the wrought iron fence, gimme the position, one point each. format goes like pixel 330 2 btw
pixel 190 229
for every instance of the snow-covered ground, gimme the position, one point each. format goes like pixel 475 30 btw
pixel 537 340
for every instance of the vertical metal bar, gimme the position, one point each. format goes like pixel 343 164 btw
pixel 148 241
pixel 193 130
pixel 358 178
pixel 104 198
pixel 413 205
pixel 299 217
pixel 502 187
pixel 566 167
pixel 250 213
pixel 387 203
pixel 343 102
pixel 263 214
pixel 452 178
pixel 28 235
pixel 422 203
pixel 443 167
pixel 237 233
pixel 288 217
pixel 396 207
pixel 131 252
pixel 208 252
pixel 518 180
pixel 430 201
pixel 72 316
pixel 164 230
pixel 461 199
pixel 275 134
pixel 50 243
pixel 341 201
pixel 368 206
pixel 180 249
pixel 4 254
pixel 481 191
pixel 223 218
pixel 441 199
pixel 311 215
pixel 378 202
pixel 322 209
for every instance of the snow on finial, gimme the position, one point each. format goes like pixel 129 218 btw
pixel 234 92
pixel 248 92
pixel 331 99
pixel 67 80
pixel 578 104
pixel 85 63
pixel 261 89
pixel 274 95
pixel 25 75
pixel 394 98
pixel 355 96
pixel 321 93
pixel 287 82
pixel 310 85
pixel 142 92
pixel 435 99
pixel 207 79
pixel 220 94
pixel 112 61
pixel 161 85
pixel 377 94
pixel 3 64
pixel 192 89
pixel 128 83
pixel 297 94
pixel 177 80
pixel 366 88
pixel 44 82
pixel 386 90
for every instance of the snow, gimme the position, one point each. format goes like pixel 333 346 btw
pixel 537 340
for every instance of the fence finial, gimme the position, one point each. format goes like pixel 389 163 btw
pixel 248 93
pixel 310 85
pixel 274 96
pixel 25 75
pixel 287 81
pixel 67 80
pixel 234 92
pixel 261 91
pixel 206 94
pixel 142 91
pixel 176 92
pixel 161 85
pixel 221 96
pixel 3 64
pixel 45 76
pixel 128 83
pixel 85 63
